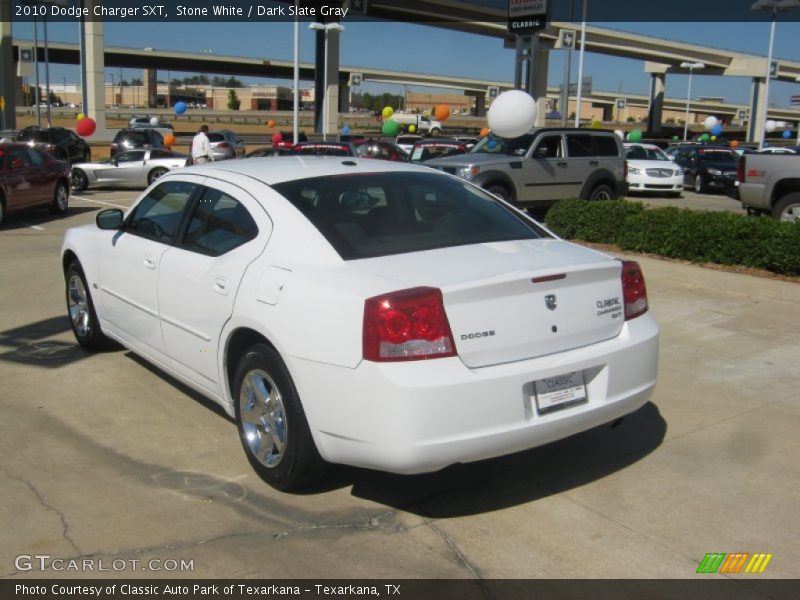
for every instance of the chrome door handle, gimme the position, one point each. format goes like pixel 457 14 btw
pixel 561 164
pixel 149 262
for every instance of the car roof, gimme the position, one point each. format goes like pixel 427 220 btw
pixel 279 169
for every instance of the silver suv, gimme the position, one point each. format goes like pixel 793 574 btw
pixel 544 166
pixel 225 144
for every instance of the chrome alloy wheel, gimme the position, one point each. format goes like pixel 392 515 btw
pixel 263 418
pixel 791 213
pixel 79 306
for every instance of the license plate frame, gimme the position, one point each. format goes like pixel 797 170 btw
pixel 553 394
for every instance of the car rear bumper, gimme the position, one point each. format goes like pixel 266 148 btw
pixel 421 416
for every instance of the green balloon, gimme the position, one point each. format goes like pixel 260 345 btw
pixel 390 128
pixel 704 138
pixel 675 137
pixel 635 135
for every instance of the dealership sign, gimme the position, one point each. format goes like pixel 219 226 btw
pixel 526 16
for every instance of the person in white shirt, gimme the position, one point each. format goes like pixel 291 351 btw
pixel 201 147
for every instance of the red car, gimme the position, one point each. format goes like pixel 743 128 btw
pixel 30 178
pixel 324 149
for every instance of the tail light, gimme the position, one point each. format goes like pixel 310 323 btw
pixel 224 145
pixel 740 170
pixel 634 291
pixel 407 325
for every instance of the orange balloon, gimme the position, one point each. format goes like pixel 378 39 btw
pixel 485 131
pixel 735 144
pixel 442 112
pixel 270 123
pixel 169 139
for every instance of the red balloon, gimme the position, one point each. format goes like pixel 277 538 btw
pixel 277 138
pixel 85 127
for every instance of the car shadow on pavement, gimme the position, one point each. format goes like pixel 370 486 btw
pixel 490 485
pixel 30 344
pixel 25 219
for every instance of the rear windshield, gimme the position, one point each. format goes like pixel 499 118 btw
pixel 34 135
pixel 497 145
pixel 421 153
pixel 137 138
pixel 215 137
pixel 381 214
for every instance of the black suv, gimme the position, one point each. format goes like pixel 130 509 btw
pixel 58 142
pixel 136 139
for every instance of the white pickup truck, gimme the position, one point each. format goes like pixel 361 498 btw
pixel 424 125
pixel 770 183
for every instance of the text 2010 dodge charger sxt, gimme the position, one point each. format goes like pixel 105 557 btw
pixel 363 312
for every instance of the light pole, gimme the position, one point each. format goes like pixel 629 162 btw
pixel 326 27
pixel 580 66
pixel 797 80
pixel 692 67
pixel 296 79
pixel 774 6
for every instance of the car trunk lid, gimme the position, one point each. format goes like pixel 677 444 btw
pixel 511 301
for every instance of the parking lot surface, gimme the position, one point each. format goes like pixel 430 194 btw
pixel 108 459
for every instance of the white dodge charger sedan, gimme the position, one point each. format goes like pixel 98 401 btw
pixel 363 312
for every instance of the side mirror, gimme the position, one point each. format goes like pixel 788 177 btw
pixel 111 218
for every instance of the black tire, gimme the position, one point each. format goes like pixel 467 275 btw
pixel 787 208
pixel 278 416
pixel 500 191
pixel 699 184
pixel 80 311
pixel 155 174
pixel 60 203
pixel 2 209
pixel 79 180
pixel 602 192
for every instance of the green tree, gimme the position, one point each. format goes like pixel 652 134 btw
pixel 233 100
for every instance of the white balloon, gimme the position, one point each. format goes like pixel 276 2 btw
pixel 770 126
pixel 153 121
pixel 620 134
pixel 512 114
pixel 710 123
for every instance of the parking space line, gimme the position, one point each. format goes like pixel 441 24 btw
pixel 100 202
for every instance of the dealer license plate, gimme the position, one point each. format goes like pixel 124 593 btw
pixel 556 393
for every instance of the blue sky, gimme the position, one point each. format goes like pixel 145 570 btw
pixel 433 50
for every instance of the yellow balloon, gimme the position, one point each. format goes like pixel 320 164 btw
pixel 597 125
pixel 80 116
pixel 387 112
pixel 713 138
pixel 412 128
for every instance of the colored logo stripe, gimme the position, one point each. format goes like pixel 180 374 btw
pixel 720 562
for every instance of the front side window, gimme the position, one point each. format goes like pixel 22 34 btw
pixel 159 214
pixel 131 156
pixel 218 224
pixel 381 214
pixel 549 147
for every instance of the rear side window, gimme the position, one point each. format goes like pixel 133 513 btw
pixel 34 135
pixel 606 145
pixel 381 214
pixel 159 214
pixel 218 224
pixel 579 146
